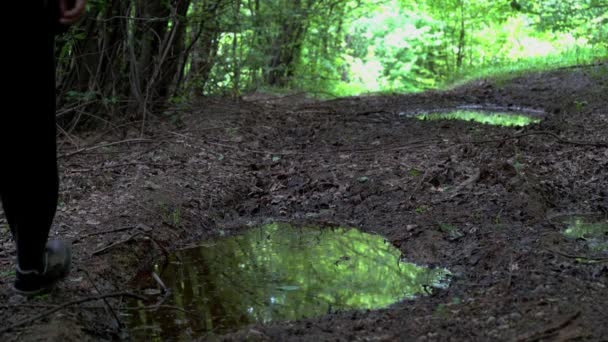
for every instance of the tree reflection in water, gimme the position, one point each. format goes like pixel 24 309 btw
pixel 280 272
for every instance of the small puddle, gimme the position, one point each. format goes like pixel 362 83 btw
pixel 279 272
pixel 509 116
pixel 593 231
pixel 505 119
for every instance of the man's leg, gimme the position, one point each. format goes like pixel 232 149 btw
pixel 28 175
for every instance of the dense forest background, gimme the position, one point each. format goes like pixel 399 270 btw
pixel 128 57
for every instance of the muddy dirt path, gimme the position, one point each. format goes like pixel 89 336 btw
pixel 221 166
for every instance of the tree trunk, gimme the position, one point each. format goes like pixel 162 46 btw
pixel 461 38
pixel 169 69
pixel 287 44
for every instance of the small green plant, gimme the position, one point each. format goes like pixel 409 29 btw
pixel 171 216
pixel 476 215
pixel 580 105
pixel 414 173
pixel 441 311
pixel 4 229
pixel 81 96
pixel 447 228
pixel 363 179
pixel 110 101
pixel 6 274
pixel 422 209
pixel 45 296
pixel 599 73
pixel 232 131
pixel 517 164
pixel 498 218
pixel 178 100
pixel 453 232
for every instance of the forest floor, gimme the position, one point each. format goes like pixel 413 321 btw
pixel 219 166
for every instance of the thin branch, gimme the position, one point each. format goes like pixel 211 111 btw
pixel 107 167
pixel 160 283
pixel 122 229
pixel 71 109
pixel 360 150
pixel 86 149
pixel 86 273
pixel 552 329
pixel 103 249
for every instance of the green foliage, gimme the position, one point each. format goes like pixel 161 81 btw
pixel 395 50
pixel 410 46
pixel 587 19
pixel 161 51
pixel 510 69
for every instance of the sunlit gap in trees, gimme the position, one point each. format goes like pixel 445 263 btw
pixel 409 46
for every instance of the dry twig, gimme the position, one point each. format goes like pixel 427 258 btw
pixel 86 149
pixel 548 331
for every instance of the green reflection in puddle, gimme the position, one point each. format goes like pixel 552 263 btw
pixel 595 233
pixel 488 118
pixel 280 272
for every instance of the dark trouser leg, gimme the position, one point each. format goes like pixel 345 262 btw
pixel 28 165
